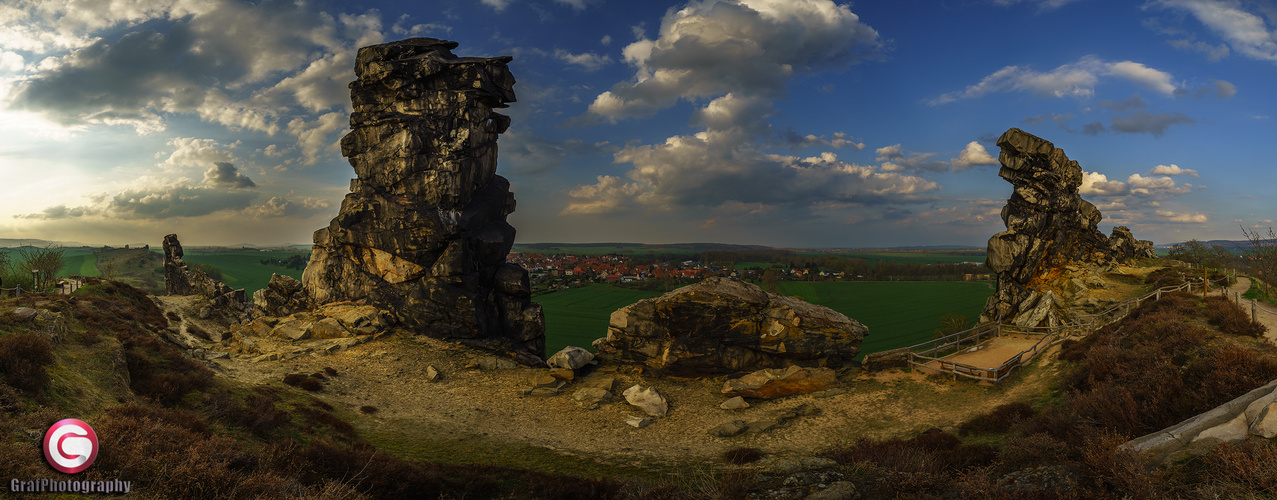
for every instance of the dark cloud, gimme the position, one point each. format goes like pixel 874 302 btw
pixel 225 175
pixel 1094 128
pixel 529 154
pixel 212 63
pixel 1132 102
pixel 1155 124
pixel 57 212
pixel 176 201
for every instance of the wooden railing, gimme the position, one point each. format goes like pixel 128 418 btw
pixel 931 354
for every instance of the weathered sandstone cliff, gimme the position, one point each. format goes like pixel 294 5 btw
pixel 423 232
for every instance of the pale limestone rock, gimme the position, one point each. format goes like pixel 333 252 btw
pixel 571 358
pixel 650 401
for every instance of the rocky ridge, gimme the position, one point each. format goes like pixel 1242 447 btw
pixel 1052 247
pixel 179 279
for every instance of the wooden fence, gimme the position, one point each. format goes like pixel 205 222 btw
pixel 931 355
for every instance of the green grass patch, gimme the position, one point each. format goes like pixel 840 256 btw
pixel 424 442
pixel 579 315
pixel 243 269
pixel 898 313
pixel 1256 292
pixel 83 265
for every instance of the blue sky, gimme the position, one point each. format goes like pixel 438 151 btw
pixel 792 123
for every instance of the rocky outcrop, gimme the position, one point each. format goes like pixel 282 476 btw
pixel 282 296
pixel 1251 414
pixel 1124 247
pixel 1049 227
pixel 182 280
pixel 724 325
pixel 423 232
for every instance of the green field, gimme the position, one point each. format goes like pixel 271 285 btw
pixel 78 260
pixel 578 316
pixel 898 313
pixel 243 269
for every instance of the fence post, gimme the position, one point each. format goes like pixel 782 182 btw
pixel 1159 294
pixel 1253 319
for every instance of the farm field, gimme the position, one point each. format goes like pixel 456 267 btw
pixel 578 316
pixel 243 269
pixel 78 260
pixel 898 313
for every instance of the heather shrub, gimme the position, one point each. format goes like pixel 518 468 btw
pixel 1000 419
pixel 23 357
pixel 311 385
pixel 294 379
pixel 1230 318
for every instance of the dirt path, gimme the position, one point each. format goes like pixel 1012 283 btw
pixel 389 374
pixel 1261 315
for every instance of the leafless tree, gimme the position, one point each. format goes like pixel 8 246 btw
pixel 48 261
pixel 1261 255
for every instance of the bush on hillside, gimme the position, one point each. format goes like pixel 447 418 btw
pixel 23 357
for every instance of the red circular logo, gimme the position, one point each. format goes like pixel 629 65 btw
pixel 70 446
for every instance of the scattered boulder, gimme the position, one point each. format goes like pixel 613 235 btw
pixel 736 403
pixel 650 401
pixel 639 422
pixel 432 374
pixel 282 296
pixel 571 358
pixel 23 313
pixel 774 383
pixel 1049 227
pixel 763 424
pixel 592 397
pixel 729 429
pixel 423 232
pixel 724 325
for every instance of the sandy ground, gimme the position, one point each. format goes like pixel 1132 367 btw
pixel 996 351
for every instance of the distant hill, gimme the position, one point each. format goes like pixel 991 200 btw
pixel 1229 244
pixel 634 248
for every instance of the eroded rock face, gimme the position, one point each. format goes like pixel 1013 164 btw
pixel 423 232
pixel 1049 227
pixel 724 325
pixel 181 280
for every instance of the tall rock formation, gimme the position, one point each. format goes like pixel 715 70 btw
pixel 1049 228
pixel 724 325
pixel 182 280
pixel 423 232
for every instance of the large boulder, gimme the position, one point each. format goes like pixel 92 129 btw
pixel 1049 227
pixel 724 325
pixel 423 232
